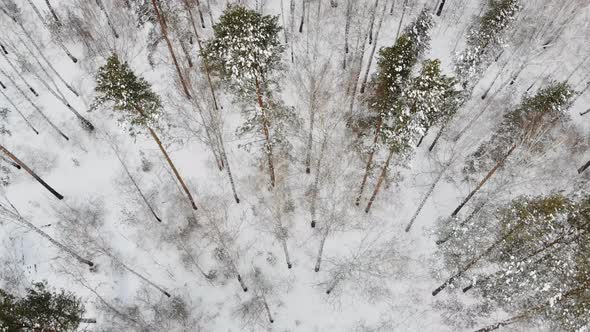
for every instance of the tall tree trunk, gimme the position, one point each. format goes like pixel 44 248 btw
pixel 267 308
pixel 286 250
pixel 12 163
pixel 20 75
pixel 19 112
pixel 585 112
pixel 302 16
pixel 346 31
pixel 499 164
pixel 35 106
pixel 366 78
pixel 145 200
pixel 109 22
pixel 310 135
pixel 187 55
pixel 440 8
pixel 265 130
pixel 437 137
pixel 178 177
pixel 164 31
pixel 380 180
pixel 85 123
pixel 474 261
pixel 53 241
pixel 57 37
pixel 30 171
pixel 44 59
pixel 333 284
pixel 584 167
pixel 242 284
pixel 473 213
pixel 321 251
pixel 140 276
pixel 316 182
pixel 422 137
pixel 200 14
pixel 428 193
pixel 401 20
pixel 53 13
pixel 373 14
pixel 370 159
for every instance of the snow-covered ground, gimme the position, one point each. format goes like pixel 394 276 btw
pixel 103 218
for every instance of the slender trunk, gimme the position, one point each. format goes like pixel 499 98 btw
pixel 187 55
pixel 267 308
pixel 2 85
pixel 228 169
pixel 284 24
pixel 471 122
pixel 54 242
pixel 428 193
pixel 584 167
pixel 20 76
pixel 35 106
pixel 44 59
pixel 366 78
pixel 176 173
pixel 499 164
pixel 33 174
pixel 265 130
pixel 315 190
pixel 473 213
pixel 440 8
pixel 85 123
pixel 346 31
pixel 200 14
pixel 423 136
pixel 210 12
pixel 109 22
pixel 373 14
pixel 401 20
pixel 164 31
pixel 321 251
pixel 19 112
pixel 286 250
pixel 370 159
pixel 310 135
pixel 302 16
pixel 585 112
pixel 141 276
pixel 57 37
pixel 12 163
pixel 356 75
pixel 438 135
pixel 145 200
pixel 53 13
pixel 380 180
pixel 242 284
pixel 333 284
pixel 392 7
pixel 474 261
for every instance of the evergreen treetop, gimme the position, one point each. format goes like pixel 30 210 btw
pixel 245 47
pixel 131 96
pixel 40 309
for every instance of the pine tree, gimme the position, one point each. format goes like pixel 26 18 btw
pixel 394 68
pixel 245 52
pixel 484 42
pixel 139 108
pixel 41 310
pixel 526 126
pixel 423 102
pixel 540 270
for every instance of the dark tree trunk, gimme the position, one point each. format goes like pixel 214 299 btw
pixel 366 77
pixel 428 193
pixel 53 13
pixel 584 167
pixel 164 31
pixel 438 135
pixel 380 180
pixel 109 22
pixel 316 183
pixel 401 20
pixel 266 132
pixel 33 174
pixel 346 31
pixel 370 160
pixel 19 112
pixel 321 251
pixel 302 16
pixel 498 165
pixel 464 222
pixel 440 8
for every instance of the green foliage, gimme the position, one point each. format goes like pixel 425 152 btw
pixel 245 47
pixel 527 125
pixel 130 96
pixel 484 39
pixel 40 309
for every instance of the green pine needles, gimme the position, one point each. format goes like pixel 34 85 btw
pixel 131 96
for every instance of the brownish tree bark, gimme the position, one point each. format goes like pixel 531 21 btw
pixel 370 159
pixel 164 30
pixel 380 180
pixel 30 171
pixel 266 132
